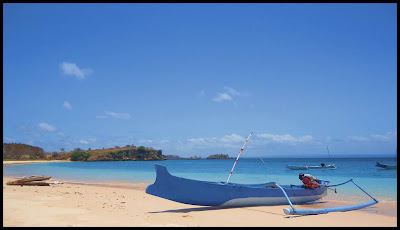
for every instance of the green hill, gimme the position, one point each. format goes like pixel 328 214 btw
pixel 131 153
pixel 14 151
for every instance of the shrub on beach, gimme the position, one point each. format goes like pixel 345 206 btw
pixel 79 155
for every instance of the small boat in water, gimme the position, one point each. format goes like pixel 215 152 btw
pixel 305 167
pixel 385 166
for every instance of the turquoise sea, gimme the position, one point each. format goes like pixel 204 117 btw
pixel 381 183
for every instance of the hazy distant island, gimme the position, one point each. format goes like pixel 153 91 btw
pixel 219 156
pixel 176 157
pixel 16 151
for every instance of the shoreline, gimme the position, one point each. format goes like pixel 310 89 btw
pixel 11 162
pixel 127 204
pixel 130 184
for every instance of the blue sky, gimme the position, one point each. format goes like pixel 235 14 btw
pixel 196 79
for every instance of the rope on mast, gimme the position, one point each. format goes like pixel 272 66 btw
pixel 268 169
pixel 241 150
pixel 330 161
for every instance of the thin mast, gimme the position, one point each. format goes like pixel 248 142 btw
pixel 241 150
pixel 329 155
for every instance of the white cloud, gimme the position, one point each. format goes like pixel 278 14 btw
pixel 358 138
pixel 146 141
pixel 225 141
pixel 222 97
pixel 375 137
pixel 118 115
pixel 199 140
pixel 231 91
pixel 233 138
pixel 378 137
pixel 89 140
pixel 46 127
pixel 286 138
pixel 67 105
pixel 227 95
pixel 114 115
pixel 84 142
pixel 73 69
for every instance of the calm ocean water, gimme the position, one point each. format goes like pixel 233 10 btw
pixel 378 182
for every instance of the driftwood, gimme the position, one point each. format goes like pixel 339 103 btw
pixel 30 181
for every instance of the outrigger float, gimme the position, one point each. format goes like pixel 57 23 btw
pixel 228 194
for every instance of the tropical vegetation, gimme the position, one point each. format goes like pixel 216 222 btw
pixel 16 151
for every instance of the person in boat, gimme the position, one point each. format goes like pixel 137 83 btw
pixel 322 165
pixel 309 180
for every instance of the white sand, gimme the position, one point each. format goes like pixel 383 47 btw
pixel 129 205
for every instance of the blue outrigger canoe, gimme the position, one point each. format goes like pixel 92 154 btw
pixel 205 193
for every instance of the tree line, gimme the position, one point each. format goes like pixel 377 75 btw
pixel 16 151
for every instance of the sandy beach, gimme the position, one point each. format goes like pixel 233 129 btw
pixel 127 204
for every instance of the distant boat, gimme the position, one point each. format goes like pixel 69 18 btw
pixel 322 166
pixel 385 166
pixel 305 167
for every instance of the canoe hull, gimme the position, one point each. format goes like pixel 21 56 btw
pixel 205 193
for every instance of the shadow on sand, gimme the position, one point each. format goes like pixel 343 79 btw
pixel 210 208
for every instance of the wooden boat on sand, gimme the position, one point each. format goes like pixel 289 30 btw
pixel 31 181
pixel 34 178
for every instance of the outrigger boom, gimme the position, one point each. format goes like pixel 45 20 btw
pixel 294 211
